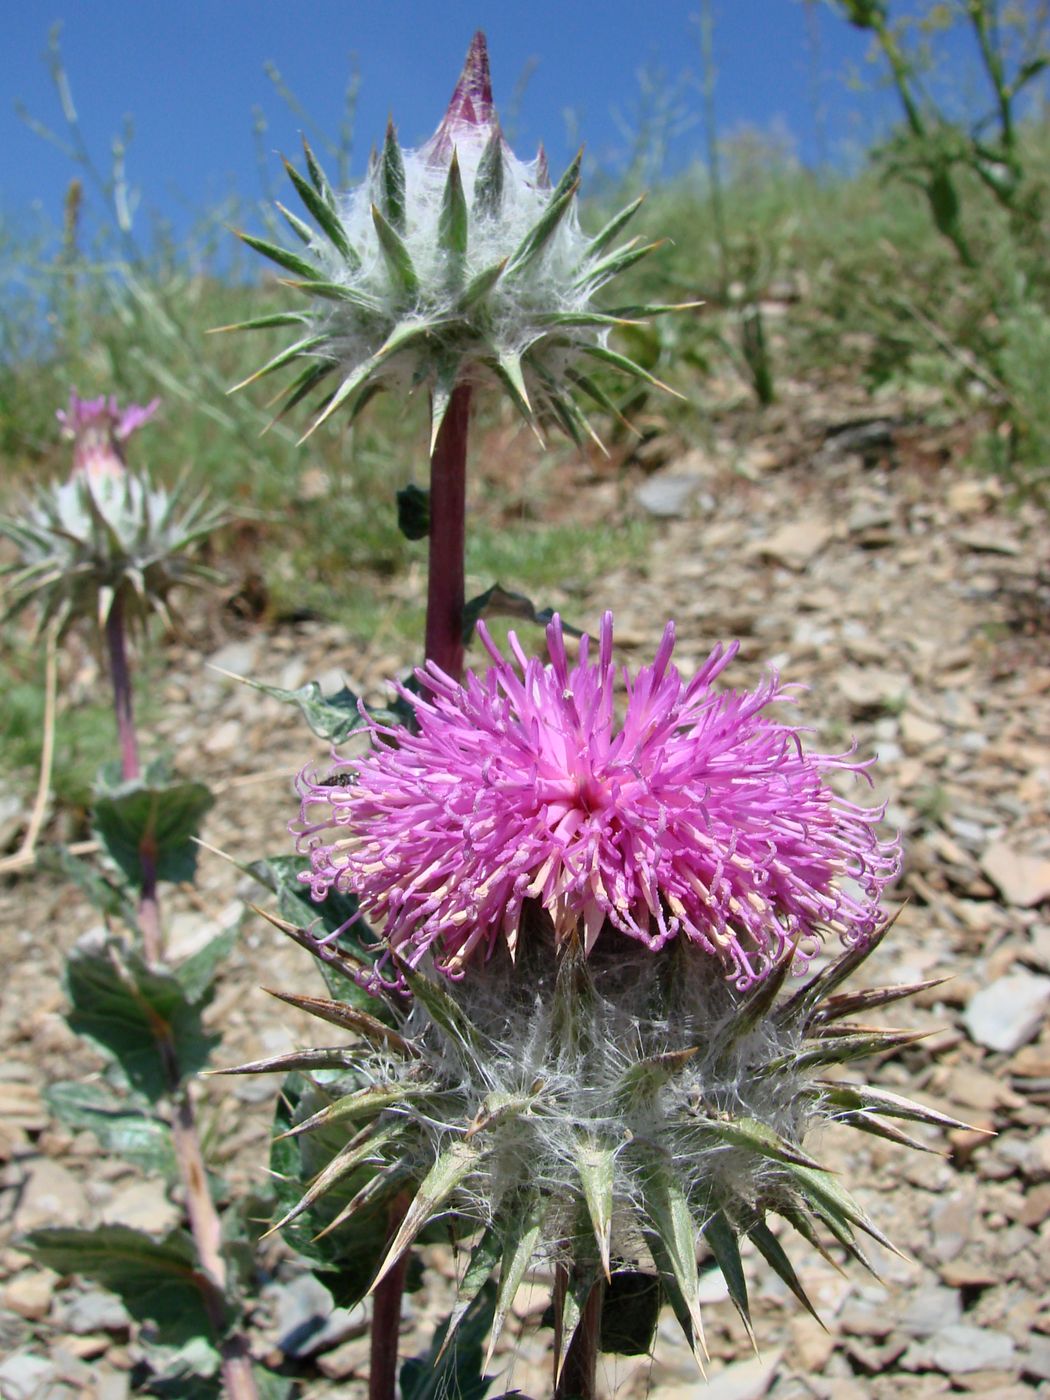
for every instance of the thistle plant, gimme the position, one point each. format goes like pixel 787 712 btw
pixel 582 1050
pixel 107 544
pixel 105 548
pixel 448 266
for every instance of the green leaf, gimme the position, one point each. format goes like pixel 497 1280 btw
pixel 197 972
pixel 498 601
pixel 290 261
pixel 452 221
pixel 108 898
pixel 508 367
pixel 349 1018
pixel 332 717
pixel 480 285
pixel 605 236
pixel 265 323
pixel 123 1130
pixel 630 1312
pixel 129 1010
pixel 157 1281
pixel 865 1097
pixel 596 1167
pixel 346 1260
pixel 443 1009
pixel 451 1168
pixel 326 217
pixel 397 257
pixel 671 1236
pixel 722 1241
pixel 457 1373
pixel 754 1136
pixel 413 512
pixel 643 1079
pixel 392 181
pixel 621 362
pixel 488 183
pixel 536 241
pixel 822 1190
pixel 137 820
pixel 317 175
pixel 305 346
pixel 484 1259
pixel 280 874
pixel 520 1231
pixel 772 1251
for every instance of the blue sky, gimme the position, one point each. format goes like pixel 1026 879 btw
pixel 191 75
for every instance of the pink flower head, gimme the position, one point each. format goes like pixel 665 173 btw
pixel 695 816
pixel 99 429
pixel 470 116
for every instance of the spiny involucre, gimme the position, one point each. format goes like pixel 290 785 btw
pixel 589 1090
pixel 449 263
pixel 107 532
pixel 698 815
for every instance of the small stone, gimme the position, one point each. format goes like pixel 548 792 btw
pixel 1009 1012
pixel 225 738
pixel 919 733
pixel 871 689
pixel 238 658
pixel 744 1380
pixel 94 1311
pixel 51 1196
pixel 1022 880
pixel 796 544
pixel 22 1105
pixel 23 1376
pixel 144 1205
pixel 350 1359
pixel 112 1385
pixel 666 494
pixel 29 1294
pixel 961 1348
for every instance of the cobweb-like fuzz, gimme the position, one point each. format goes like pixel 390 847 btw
pixel 696 815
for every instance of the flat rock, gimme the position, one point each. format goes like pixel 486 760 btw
pixel 795 545
pixel 1022 880
pixel 744 1380
pixel 23 1375
pixel 667 494
pixel 870 689
pixel 93 1311
pixel 143 1205
pixel 961 1348
pixel 29 1294
pixel 1009 1012
pixel 51 1196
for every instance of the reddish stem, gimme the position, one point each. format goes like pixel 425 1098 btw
pixel 131 768
pixel 577 1380
pixel 448 531
pixel 386 1318
pixel 237 1374
pixel 120 675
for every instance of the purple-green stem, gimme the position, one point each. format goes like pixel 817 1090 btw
pixel 448 535
pixel 238 1377
pixel 578 1379
pixel 386 1317
pixel 443 644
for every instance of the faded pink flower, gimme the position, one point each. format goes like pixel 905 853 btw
pixel 696 816
pixel 98 429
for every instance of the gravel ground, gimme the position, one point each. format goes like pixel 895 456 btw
pixel 848 552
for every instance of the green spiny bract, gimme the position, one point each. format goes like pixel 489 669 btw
pixel 84 542
pixel 449 263
pixel 605 1116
